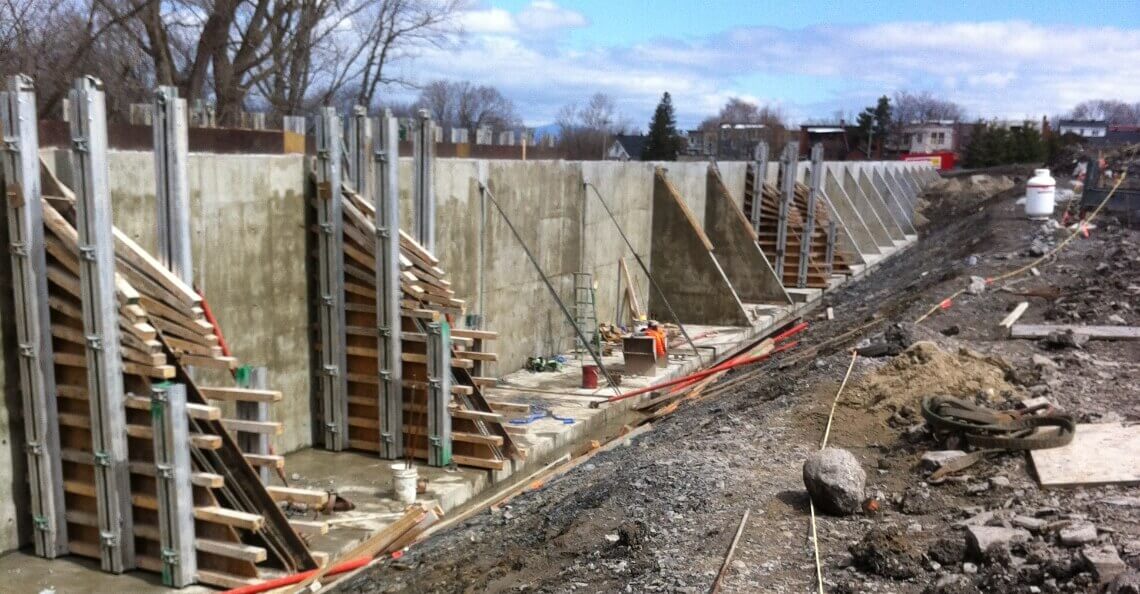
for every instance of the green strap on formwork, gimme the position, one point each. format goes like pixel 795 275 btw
pixel 156 405
pixel 243 376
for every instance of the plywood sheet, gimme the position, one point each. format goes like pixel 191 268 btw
pixel 1100 454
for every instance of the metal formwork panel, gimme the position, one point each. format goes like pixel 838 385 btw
pixel 439 393
pixel 760 175
pixel 359 146
pixel 386 133
pixel 788 164
pixel 809 216
pixel 423 191
pixel 333 381
pixel 20 174
pixel 172 195
pixel 174 492
pixel 101 324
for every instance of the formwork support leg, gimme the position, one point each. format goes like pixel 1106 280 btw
pixel 172 195
pixel 422 190
pixel 788 164
pixel 101 324
pixel 439 393
pixel 832 236
pixel 254 443
pixel 386 182
pixel 359 145
pixel 330 270
pixel 20 175
pixel 175 493
pixel 760 175
pixel 809 216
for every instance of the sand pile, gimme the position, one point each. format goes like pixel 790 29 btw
pixel 925 369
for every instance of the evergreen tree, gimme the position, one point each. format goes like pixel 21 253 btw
pixel 874 124
pixel 664 141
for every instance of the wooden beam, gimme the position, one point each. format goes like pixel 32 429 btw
pixel 294 495
pixel 262 427
pixel 1093 332
pixel 241 394
pixel 233 550
pixel 229 517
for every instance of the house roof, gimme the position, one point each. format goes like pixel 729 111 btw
pixel 634 144
pixel 1098 123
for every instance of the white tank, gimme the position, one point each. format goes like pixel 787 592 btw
pixel 1040 195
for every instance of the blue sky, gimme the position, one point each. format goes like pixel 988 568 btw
pixel 811 59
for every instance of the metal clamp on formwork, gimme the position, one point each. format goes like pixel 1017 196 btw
pixel 175 494
pixel 809 217
pixel 333 385
pixel 788 164
pixel 101 324
pixel 385 183
pixel 439 393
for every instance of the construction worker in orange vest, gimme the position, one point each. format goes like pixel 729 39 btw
pixel 659 340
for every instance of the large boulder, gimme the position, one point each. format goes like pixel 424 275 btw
pixel 835 481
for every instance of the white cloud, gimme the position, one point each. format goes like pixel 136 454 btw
pixel 1003 69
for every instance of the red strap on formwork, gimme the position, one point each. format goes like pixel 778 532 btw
pixel 213 322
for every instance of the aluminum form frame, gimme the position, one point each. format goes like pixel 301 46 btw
pixel 760 177
pixel 101 325
pixel 423 191
pixel 20 171
pixel 788 165
pixel 249 442
pixel 439 393
pixel 385 155
pixel 333 380
pixel 359 135
pixel 809 219
pixel 175 493
pixel 172 188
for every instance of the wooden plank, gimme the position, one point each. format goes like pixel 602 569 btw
pixel 1093 332
pixel 241 394
pixel 198 440
pixel 223 580
pixel 229 517
pixel 294 495
pixel 309 528
pixel 485 382
pixel 1014 315
pixel 194 411
pixel 261 427
pixel 233 550
pixel 263 460
pixel 477 355
pixel 477 415
pixel 1100 454
pixel 226 363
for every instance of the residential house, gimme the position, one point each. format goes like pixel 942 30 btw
pixel 837 145
pixel 627 147
pixel 1083 128
pixel 929 137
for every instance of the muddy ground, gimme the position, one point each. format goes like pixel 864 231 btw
pixel 657 515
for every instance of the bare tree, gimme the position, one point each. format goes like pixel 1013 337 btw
pixel 923 107
pixel 467 105
pixel 739 111
pixel 1113 111
pixel 585 132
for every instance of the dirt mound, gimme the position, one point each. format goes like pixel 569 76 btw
pixel 953 196
pixel 925 369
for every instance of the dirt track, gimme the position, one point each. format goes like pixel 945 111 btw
pixel 658 514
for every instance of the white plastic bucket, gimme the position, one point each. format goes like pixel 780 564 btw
pixel 404 483
pixel 1040 195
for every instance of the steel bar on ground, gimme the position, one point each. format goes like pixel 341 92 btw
pixel 101 325
pixel 330 244
pixel 386 137
pixel 20 174
pixel 172 195
pixel 439 393
pixel 175 493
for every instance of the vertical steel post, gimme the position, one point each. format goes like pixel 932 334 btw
pixel 422 190
pixel 171 155
pixel 330 244
pixel 254 443
pixel 101 324
pixel 386 154
pixel 20 174
pixel 439 393
pixel 359 146
pixel 809 218
pixel 788 164
pixel 175 493
pixel 760 174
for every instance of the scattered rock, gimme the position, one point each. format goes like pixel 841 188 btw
pixel 1029 523
pixel 1043 362
pixel 1078 534
pixel 1105 563
pixel 835 481
pixel 985 539
pixel 947 551
pixel 977 285
pixel 936 459
pixel 969 568
pixel 1116 319
pixel 1125 583
pixel 1066 339
pixel 887 551
pixel 954 330
pixel 999 482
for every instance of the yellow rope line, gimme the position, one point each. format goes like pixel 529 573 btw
pixel 1080 226
pixel 822 445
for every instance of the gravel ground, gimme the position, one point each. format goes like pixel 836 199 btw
pixel 657 514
